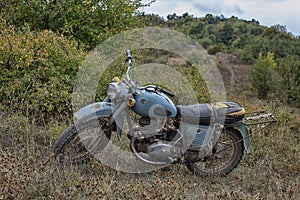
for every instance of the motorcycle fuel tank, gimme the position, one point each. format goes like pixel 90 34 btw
pixel 154 104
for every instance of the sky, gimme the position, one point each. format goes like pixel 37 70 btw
pixel 267 12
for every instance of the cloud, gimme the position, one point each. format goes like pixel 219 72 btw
pixel 268 12
pixel 217 7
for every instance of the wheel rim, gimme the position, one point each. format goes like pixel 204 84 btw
pixel 74 152
pixel 89 140
pixel 223 156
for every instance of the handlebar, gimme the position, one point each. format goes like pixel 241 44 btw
pixel 167 92
pixel 129 59
pixel 158 89
pixel 128 54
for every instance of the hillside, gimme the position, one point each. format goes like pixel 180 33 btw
pixel 235 73
pixel 272 52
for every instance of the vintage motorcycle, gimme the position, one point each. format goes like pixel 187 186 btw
pixel 210 139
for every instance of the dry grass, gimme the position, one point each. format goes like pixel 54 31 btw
pixel 27 171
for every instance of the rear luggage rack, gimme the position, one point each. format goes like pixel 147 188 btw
pixel 258 120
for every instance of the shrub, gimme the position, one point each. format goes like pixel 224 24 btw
pixel 38 70
pixel 263 75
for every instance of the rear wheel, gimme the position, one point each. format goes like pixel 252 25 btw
pixel 226 156
pixel 78 142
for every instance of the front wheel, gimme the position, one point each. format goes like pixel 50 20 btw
pixel 78 142
pixel 226 156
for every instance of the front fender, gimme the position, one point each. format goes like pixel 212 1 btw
pixel 101 109
pixel 95 110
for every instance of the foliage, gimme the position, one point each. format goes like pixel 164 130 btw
pixel 43 43
pixel 289 69
pixel 37 71
pixel 39 65
pixel 244 38
pixel 225 34
pixel 152 20
pixel 248 40
pixel 89 22
pixel 262 75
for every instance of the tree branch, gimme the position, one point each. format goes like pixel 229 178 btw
pixel 149 4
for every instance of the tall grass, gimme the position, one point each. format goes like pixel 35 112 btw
pixel 27 170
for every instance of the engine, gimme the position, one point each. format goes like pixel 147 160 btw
pixel 157 141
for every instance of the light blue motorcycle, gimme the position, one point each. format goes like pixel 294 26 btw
pixel 210 139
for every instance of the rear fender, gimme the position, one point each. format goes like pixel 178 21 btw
pixel 242 129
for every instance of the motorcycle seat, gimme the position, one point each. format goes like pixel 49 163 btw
pixel 204 114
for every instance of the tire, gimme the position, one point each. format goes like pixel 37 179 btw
pixel 79 142
pixel 229 149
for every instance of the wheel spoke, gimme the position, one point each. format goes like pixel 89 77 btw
pixel 226 155
pixel 73 146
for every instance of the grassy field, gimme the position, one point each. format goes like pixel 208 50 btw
pixel 27 170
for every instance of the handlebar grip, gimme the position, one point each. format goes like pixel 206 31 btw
pixel 129 54
pixel 167 92
pixel 129 57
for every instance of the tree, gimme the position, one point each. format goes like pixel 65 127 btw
pixel 206 42
pixel 226 34
pixel 289 70
pixel 271 32
pixel 89 21
pixel 198 29
pixel 210 19
pixel 280 28
pixel 262 75
pixel 172 17
pixel 153 20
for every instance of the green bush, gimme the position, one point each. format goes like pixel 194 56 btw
pixel 263 75
pixel 88 22
pixel 38 70
pixel 215 48
pixel 289 70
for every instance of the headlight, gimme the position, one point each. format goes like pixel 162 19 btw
pixel 113 91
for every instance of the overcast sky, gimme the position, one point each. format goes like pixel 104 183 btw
pixel 267 12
